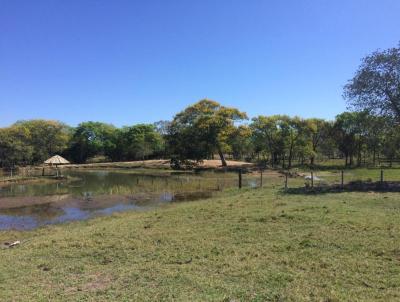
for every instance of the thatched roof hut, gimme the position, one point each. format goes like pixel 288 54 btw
pixel 56 160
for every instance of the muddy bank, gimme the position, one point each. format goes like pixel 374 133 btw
pixel 23 201
pixel 84 202
pixel 89 202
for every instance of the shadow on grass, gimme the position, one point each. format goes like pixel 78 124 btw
pixel 354 186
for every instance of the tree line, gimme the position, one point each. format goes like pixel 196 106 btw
pixel 31 142
pixel 363 135
pixel 204 130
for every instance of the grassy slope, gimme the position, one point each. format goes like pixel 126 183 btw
pixel 253 245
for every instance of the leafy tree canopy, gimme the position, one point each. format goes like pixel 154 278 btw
pixel 376 84
pixel 201 129
pixel 90 139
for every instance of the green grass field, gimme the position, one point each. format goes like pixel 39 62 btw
pixel 248 245
pixel 333 175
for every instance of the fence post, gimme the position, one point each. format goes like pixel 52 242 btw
pixel 342 179
pixel 240 178
pixel 381 175
pixel 261 178
pixel 312 179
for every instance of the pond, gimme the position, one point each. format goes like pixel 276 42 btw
pixel 91 193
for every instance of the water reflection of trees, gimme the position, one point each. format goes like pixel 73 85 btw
pixel 90 183
pixel 93 192
pixel 127 184
pixel 34 189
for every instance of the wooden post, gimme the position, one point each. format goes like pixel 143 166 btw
pixel 240 178
pixel 342 179
pixel 261 178
pixel 312 179
pixel 381 175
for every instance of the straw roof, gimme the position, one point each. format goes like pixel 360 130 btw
pixel 56 160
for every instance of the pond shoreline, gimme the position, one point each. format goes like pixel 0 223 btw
pixel 161 164
pixel 87 193
pixel 31 179
pixel 150 165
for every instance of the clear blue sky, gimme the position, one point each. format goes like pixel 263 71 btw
pixel 125 62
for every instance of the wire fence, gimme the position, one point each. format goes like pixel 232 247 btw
pixel 361 179
pixel 257 178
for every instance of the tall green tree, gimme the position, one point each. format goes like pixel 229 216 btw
pixel 140 142
pixel 46 137
pixel 294 134
pixel 91 139
pixel 376 84
pixel 32 141
pixel 318 131
pixel 266 136
pixel 280 136
pixel 377 128
pixel 239 142
pixel 14 146
pixel 202 129
pixel 345 130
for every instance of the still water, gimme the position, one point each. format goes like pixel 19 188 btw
pixel 94 193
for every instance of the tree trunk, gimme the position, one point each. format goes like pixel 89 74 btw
pixel 359 156
pixel 272 159
pixel 290 157
pixel 222 157
pixel 374 156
